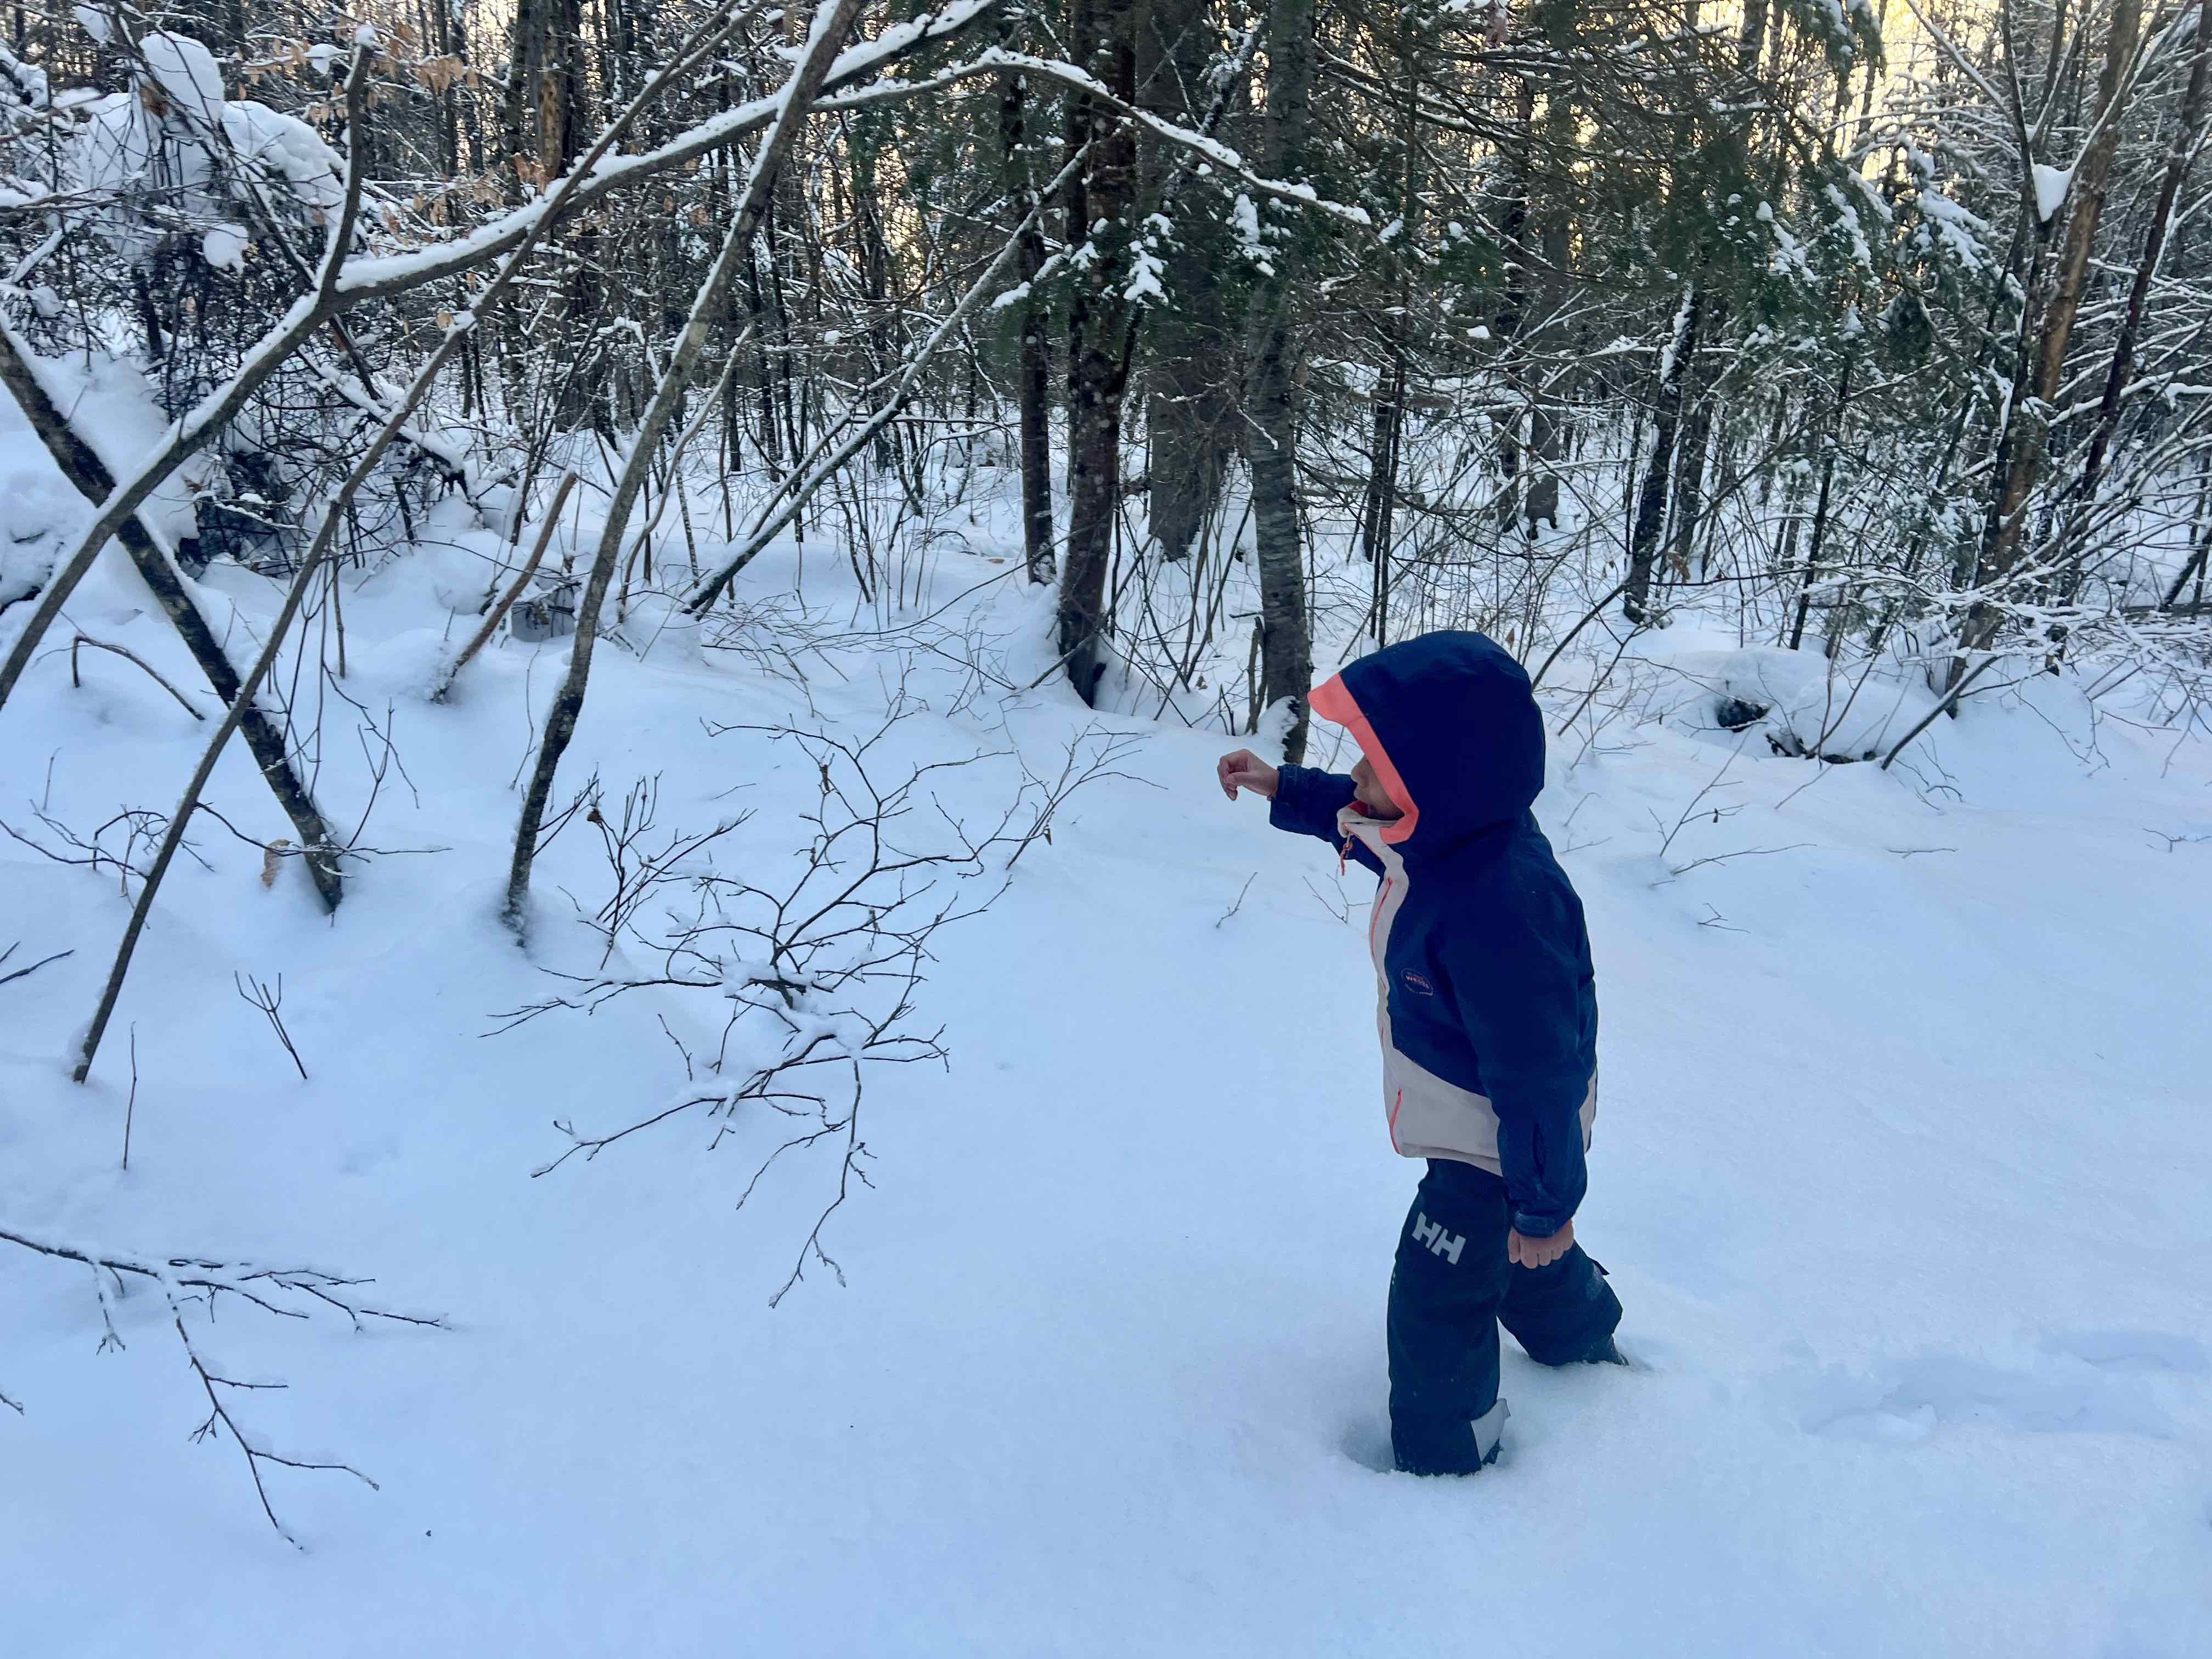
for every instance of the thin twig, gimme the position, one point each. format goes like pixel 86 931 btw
pixel 497 614
pixel 1239 905
pixel 24 973
pixel 1950 700
pixel 153 673
pixel 268 1002
pixel 131 1107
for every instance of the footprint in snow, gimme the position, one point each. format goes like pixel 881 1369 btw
pixel 2089 1382
pixel 1367 1442
pixel 2133 1351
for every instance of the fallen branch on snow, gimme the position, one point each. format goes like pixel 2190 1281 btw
pixel 285 1292
pixel 25 973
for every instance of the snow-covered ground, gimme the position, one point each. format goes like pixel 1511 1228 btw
pixel 1901 1170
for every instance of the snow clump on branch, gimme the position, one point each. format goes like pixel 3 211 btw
pixel 177 134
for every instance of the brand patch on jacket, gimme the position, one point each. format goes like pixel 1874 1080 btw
pixel 1419 986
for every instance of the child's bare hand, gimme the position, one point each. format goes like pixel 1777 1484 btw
pixel 1246 770
pixel 1525 1252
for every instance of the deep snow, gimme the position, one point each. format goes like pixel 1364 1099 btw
pixel 1900 1169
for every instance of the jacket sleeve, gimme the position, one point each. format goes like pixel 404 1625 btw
pixel 1518 990
pixel 1307 801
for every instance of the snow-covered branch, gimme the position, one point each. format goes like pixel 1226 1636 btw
pixel 301 1293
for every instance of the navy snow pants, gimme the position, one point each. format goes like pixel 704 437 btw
pixel 1451 1288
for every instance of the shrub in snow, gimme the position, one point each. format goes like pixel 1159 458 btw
pixel 548 614
pixel 187 183
pixel 23 91
pixel 802 973
pixel 194 217
pixel 1806 705
pixel 175 147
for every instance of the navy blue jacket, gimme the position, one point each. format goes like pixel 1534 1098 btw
pixel 1487 962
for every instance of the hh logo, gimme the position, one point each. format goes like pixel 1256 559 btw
pixel 1419 985
pixel 1440 1242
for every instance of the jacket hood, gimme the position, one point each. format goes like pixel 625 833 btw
pixel 1451 726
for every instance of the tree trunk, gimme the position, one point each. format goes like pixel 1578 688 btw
pixel 1033 365
pixel 1690 483
pixel 834 25
pixel 1547 429
pixel 2200 540
pixel 2022 448
pixel 2177 157
pixel 263 736
pixel 546 116
pixel 1189 404
pixel 1512 324
pixel 1820 529
pixel 1651 499
pixel 1700 372
pixel 1379 512
pixel 1098 373
pixel 1285 636
pixel 518 120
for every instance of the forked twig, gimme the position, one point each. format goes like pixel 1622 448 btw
pixel 268 1001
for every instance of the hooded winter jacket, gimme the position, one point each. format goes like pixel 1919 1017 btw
pixel 1486 999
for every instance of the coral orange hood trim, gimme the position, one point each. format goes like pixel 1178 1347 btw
pixel 1333 700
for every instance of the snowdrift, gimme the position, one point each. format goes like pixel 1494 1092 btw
pixel 1803 704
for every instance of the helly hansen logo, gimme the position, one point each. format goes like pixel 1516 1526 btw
pixel 1440 1242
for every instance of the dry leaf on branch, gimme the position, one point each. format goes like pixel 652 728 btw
pixel 437 74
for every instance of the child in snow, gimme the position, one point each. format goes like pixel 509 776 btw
pixel 1488 1014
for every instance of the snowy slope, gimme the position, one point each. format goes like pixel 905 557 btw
pixel 1901 1170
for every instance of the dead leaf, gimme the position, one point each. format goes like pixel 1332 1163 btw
pixel 437 74
pixel 272 858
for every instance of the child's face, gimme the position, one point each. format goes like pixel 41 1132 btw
pixel 1369 793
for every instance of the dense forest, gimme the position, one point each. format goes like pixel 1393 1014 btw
pixel 1879 328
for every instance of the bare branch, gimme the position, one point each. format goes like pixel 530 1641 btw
pixel 25 973
pixel 287 1293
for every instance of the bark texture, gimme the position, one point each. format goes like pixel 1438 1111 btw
pixel 1100 214
pixel 1286 630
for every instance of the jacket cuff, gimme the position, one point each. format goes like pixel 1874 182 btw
pixel 1531 1225
pixel 1295 807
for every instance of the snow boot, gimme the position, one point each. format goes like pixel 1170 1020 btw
pixel 1450 1449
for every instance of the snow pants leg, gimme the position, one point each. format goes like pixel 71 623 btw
pixel 1451 1288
